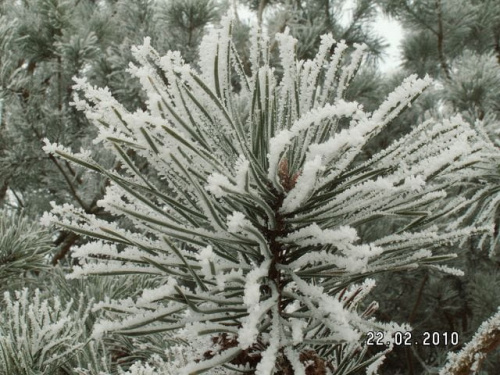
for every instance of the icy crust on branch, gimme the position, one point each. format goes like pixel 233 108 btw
pixel 249 204
pixel 354 258
pixel 219 185
pixel 335 155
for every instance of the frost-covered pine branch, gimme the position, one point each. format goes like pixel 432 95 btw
pixel 251 204
pixel 23 247
pixel 38 335
pixel 482 198
pixel 469 359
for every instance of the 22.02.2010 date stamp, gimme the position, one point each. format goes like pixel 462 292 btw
pixel 376 338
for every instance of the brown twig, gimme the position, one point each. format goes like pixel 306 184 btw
pixel 69 241
pixel 413 313
pixel 411 318
pixel 260 11
pixel 440 40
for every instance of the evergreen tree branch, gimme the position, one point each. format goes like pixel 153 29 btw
pixel 73 172
pixel 70 239
pixel 23 246
pixel 260 11
pixel 18 198
pixel 440 40
pixel 496 44
pixel 409 361
pixel 420 293
pixel 70 184
pixel 419 20
pixel 470 358
pixel 411 319
pixel 257 242
pixel 3 190
pixel 326 8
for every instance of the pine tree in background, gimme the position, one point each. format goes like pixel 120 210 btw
pixel 455 42
pixel 45 48
pixel 351 22
pixel 45 43
pixel 459 44
pixel 253 226
pixel 308 20
pixel 441 30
